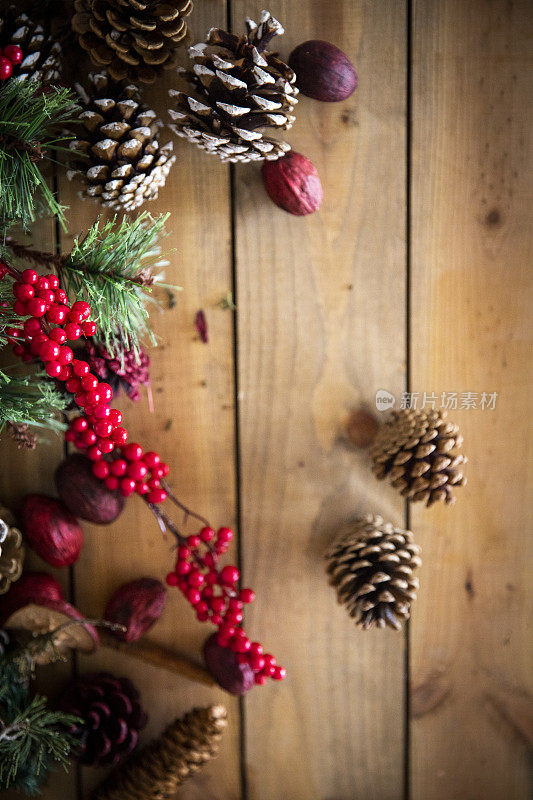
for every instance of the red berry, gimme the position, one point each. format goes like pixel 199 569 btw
pixel 256 649
pixel 118 467
pixel 183 568
pixel 164 467
pixel 106 392
pixel 217 604
pixel 61 297
pixel 196 580
pixel 229 576
pixel 58 335
pixel 36 307
pixel 47 295
pixel 103 428
pixel 171 579
pixel 193 541
pixel 57 314
pixel 65 355
pixel 106 445
pixel 279 673
pixel 53 369
pixel 73 331
pixel 53 281
pixel 20 308
pixel 6 68
pixel 65 373
pixel 132 451
pixel 157 496
pixel 151 459
pixel 73 385
pixel 127 486
pixel 153 483
pixel 19 350
pixel 141 487
pixel 49 351
pixel 101 469
pixel 93 397
pixel 89 382
pixel 81 310
pixel 80 368
pixel 257 662
pixel 37 342
pixel 101 411
pixel 23 291
pixel 13 53
pixel 111 482
pixel 42 283
pixel 70 436
pixel 193 596
pixel 247 595
pixel 32 327
pixel 29 276
pixel 89 328
pixel 224 535
pixel 120 435
pixel 115 416
pixel 206 534
pixel 88 437
pixel 94 453
pixel 137 470
pixel 260 679
pixel 80 398
pixel 13 333
pixel 79 424
pixel 183 552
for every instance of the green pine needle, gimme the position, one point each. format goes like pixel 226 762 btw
pixel 30 119
pixel 31 400
pixel 111 268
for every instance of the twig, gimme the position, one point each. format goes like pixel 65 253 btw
pixel 187 511
pixel 36 256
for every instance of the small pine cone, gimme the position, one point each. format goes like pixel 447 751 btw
pixel 240 89
pixel 158 771
pixel 41 52
pixel 419 452
pixel 21 434
pixel 371 564
pixel 124 164
pixel 127 370
pixel 11 550
pixel 132 40
pixel 112 717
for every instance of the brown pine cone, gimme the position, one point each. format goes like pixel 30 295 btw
pixel 419 452
pixel 371 565
pixel 41 52
pixel 11 550
pixel 124 165
pixel 239 88
pixel 112 717
pixel 158 771
pixel 132 40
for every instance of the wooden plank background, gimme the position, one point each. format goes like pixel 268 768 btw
pixel 413 276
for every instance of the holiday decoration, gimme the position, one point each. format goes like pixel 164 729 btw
pixel 11 550
pixel 122 369
pixel 237 89
pixel 111 717
pixel 30 400
pixel 161 768
pixel 122 163
pixel 361 428
pixel 292 183
pixel 30 45
pixel 230 672
pixel 132 39
pixel 51 530
pixel 371 565
pixel 418 450
pixel 32 586
pixel 83 494
pixel 30 123
pixel 136 605
pixel 323 71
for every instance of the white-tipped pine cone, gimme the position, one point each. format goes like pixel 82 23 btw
pixel 41 52
pixel 11 550
pixel 239 89
pixel 418 450
pixel 122 163
pixel 371 566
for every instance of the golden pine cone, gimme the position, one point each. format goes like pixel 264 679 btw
pixel 418 451
pixel 371 565
pixel 124 164
pixel 238 89
pixel 158 770
pixel 133 40
pixel 11 550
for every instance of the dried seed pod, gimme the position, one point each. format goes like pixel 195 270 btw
pixel 292 183
pixel 323 71
pixel 51 530
pixel 84 494
pixel 224 666
pixel 136 605
pixel 36 587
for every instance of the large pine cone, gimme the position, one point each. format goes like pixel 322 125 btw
pixel 112 717
pixel 132 39
pixel 125 164
pixel 42 57
pixel 419 452
pixel 11 550
pixel 371 565
pixel 240 89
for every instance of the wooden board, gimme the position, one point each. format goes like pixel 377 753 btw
pixel 320 329
pixel 471 305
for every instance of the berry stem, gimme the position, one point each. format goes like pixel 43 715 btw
pixel 187 511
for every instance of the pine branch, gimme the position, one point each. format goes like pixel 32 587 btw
pixel 30 119
pixel 30 400
pixel 112 268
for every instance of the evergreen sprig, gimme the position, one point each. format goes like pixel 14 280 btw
pixel 31 116
pixel 30 400
pixel 112 268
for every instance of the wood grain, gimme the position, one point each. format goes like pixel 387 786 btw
pixel 320 329
pixel 471 300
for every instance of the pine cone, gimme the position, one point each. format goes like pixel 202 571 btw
pixel 125 164
pixel 112 717
pixel 240 88
pixel 42 57
pixel 11 550
pixel 132 39
pixel 127 371
pixel 418 451
pixel 371 564
pixel 157 772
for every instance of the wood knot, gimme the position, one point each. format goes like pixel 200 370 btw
pixel 493 218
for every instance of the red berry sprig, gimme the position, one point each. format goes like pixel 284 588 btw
pixel 213 592
pixel 10 57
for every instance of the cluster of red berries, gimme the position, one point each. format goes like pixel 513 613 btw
pixel 215 596
pixel 213 593
pixel 10 57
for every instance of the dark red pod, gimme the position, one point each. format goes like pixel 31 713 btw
pixel 51 530
pixel 35 587
pixel 223 665
pixel 292 183
pixel 323 72
pixel 137 605
pixel 84 494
